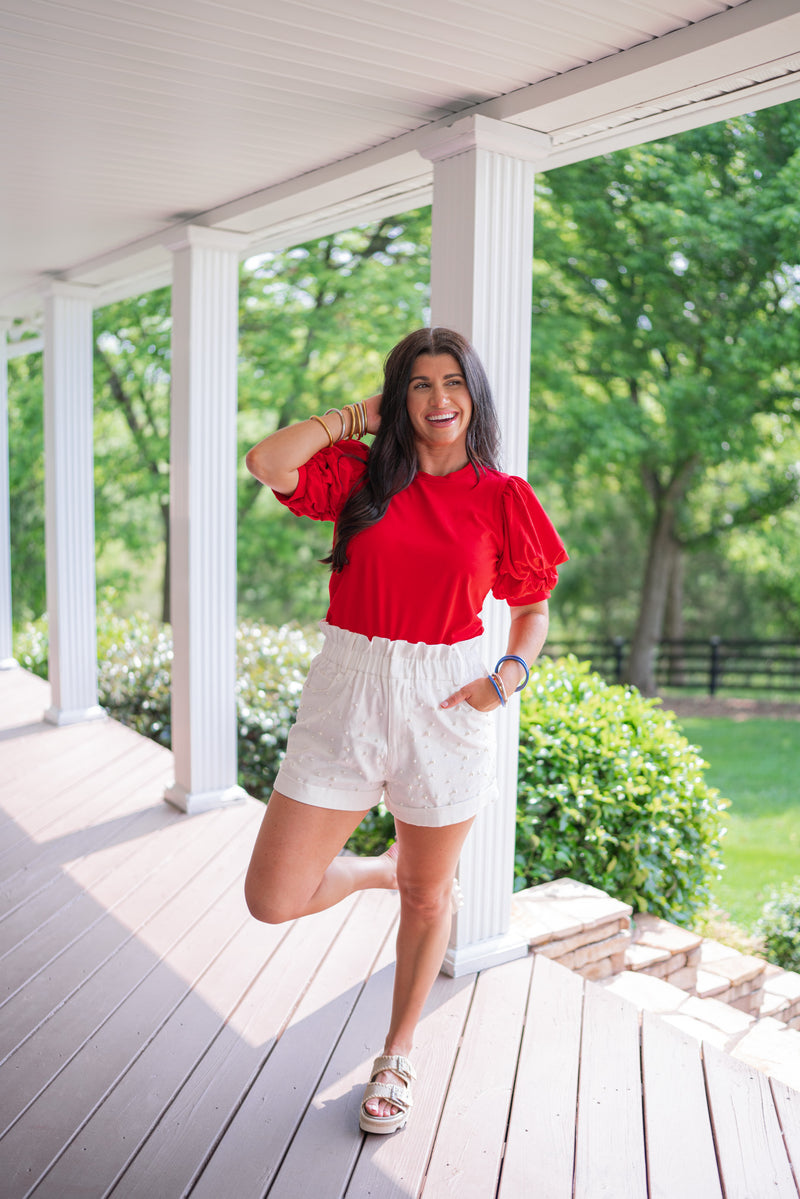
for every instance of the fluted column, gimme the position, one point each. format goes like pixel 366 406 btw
pixel 69 505
pixel 7 661
pixel 203 518
pixel 481 273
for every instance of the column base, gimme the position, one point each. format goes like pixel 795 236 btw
pixel 9 664
pixel 193 802
pixel 467 959
pixel 60 716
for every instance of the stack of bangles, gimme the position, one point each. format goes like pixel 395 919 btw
pixel 496 679
pixel 357 414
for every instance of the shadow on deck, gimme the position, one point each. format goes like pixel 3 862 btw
pixel 157 1042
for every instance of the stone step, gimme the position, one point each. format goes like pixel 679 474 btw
pixel 577 925
pixel 765 1043
pixel 781 995
pixel 663 950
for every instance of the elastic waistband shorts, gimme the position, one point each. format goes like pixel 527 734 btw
pixel 370 727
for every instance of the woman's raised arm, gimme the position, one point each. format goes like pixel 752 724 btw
pixel 276 460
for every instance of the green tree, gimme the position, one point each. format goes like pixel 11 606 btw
pixel 666 343
pixel 132 354
pixel 26 486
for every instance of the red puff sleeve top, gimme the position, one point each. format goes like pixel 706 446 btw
pixel 422 573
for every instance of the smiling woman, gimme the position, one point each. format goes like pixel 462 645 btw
pixel 440 410
pixel 397 706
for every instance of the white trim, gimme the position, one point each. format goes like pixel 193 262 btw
pixel 202 237
pixel 480 955
pixel 481 133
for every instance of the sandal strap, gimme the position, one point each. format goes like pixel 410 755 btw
pixel 398 1065
pixel 399 1096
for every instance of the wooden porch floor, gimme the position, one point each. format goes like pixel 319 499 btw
pixel 157 1042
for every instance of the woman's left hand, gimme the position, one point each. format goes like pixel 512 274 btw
pixel 479 694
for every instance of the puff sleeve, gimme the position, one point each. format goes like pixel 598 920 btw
pixel 327 480
pixel 532 549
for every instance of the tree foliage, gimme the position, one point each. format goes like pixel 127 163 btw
pixel 666 342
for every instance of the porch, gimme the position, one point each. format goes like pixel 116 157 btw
pixel 156 1041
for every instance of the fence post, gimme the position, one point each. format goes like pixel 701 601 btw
pixel 714 670
pixel 619 646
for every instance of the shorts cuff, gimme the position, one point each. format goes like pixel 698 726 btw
pixel 320 795
pixel 452 813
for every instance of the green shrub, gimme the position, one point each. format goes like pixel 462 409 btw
pixel 611 794
pixel 134 673
pixel 30 646
pixel 779 926
pixel 272 666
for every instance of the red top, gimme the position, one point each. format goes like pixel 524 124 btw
pixel 423 572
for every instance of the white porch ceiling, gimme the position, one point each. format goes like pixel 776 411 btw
pixel 121 119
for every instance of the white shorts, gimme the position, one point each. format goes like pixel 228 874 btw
pixel 370 726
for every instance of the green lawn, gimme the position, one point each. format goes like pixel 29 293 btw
pixel 756 765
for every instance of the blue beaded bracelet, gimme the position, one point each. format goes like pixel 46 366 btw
pixel 499 692
pixel 523 664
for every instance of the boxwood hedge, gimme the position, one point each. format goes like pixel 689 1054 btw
pixel 612 794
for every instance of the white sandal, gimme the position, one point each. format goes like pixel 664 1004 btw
pixel 398 1096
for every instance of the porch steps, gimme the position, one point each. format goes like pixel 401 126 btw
pixel 710 970
pixel 737 1001
pixel 763 1042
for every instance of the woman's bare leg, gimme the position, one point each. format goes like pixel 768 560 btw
pixel 426 864
pixel 295 868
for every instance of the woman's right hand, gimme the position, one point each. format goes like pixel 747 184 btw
pixel 373 407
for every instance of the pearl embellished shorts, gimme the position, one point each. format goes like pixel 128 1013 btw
pixel 370 727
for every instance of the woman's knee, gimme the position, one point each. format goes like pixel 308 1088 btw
pixel 428 901
pixel 266 906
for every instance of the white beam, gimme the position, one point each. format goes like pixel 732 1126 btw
pixel 481 278
pixel 729 43
pixel 21 349
pixel 203 518
pixel 7 661
pixel 69 505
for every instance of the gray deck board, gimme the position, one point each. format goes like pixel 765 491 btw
pixel 156 1042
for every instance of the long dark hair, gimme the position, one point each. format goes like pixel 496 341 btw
pixel 392 461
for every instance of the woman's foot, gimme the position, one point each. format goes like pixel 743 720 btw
pixel 378 1112
pixel 390 858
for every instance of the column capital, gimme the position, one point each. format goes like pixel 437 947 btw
pixel 67 291
pixel 203 237
pixel 484 133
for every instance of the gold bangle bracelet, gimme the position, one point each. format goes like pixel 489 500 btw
pixel 320 421
pixel 337 412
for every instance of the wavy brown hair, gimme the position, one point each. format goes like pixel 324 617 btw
pixel 392 462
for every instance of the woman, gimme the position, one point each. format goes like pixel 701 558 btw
pixel 398 704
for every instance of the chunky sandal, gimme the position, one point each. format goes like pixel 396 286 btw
pixel 398 1096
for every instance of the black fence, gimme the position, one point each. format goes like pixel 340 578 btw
pixel 710 666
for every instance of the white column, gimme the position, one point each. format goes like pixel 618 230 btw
pixel 69 505
pixel 203 518
pixel 7 661
pixel 481 272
